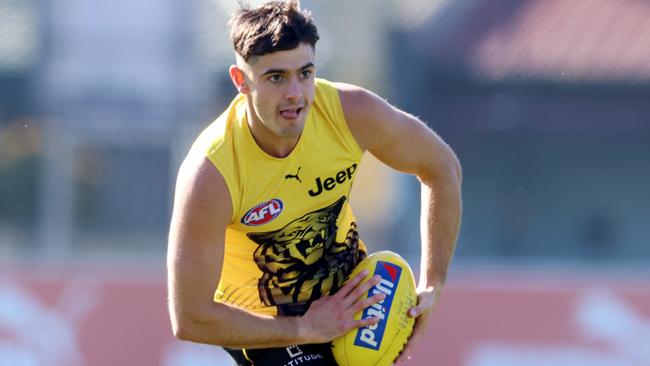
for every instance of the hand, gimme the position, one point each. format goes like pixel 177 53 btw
pixel 427 299
pixel 332 316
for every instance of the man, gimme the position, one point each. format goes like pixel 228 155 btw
pixel 262 212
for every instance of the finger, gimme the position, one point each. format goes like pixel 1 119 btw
pixel 415 312
pixel 404 355
pixel 360 305
pixel 422 314
pixel 352 284
pixel 416 335
pixel 408 349
pixel 361 290
pixel 423 304
pixel 364 322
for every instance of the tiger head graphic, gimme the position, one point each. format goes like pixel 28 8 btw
pixel 302 260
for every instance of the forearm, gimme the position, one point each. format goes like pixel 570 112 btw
pixel 229 326
pixel 440 222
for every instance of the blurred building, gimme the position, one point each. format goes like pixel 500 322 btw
pixel 101 102
pixel 112 87
pixel 19 142
pixel 547 104
pixel 109 91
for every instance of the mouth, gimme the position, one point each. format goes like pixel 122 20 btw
pixel 315 242
pixel 291 113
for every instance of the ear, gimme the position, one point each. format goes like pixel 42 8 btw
pixel 238 78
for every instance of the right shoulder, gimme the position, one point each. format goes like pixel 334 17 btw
pixel 198 170
pixel 206 176
pixel 200 187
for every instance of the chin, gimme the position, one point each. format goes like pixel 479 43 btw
pixel 294 129
pixel 291 133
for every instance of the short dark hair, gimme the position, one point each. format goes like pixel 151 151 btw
pixel 273 26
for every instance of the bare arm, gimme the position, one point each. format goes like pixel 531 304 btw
pixel 202 210
pixel 405 143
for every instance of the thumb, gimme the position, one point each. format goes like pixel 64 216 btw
pixel 413 312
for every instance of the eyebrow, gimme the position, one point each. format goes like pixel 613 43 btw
pixel 282 71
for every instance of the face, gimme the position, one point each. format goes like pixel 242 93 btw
pixel 280 89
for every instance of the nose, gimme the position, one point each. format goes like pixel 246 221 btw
pixel 293 89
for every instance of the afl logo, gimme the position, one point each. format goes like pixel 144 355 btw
pixel 263 213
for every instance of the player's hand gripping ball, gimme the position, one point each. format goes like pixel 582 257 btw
pixel 381 343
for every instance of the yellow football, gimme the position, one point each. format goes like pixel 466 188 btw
pixel 381 343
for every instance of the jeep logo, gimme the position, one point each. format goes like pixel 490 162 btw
pixel 330 182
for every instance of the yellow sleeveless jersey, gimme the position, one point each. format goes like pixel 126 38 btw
pixel 292 237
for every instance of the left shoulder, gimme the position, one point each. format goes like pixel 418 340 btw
pixel 370 117
pixel 362 106
pixel 394 136
pixel 355 99
pixel 351 96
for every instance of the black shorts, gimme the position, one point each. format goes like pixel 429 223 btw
pixel 304 354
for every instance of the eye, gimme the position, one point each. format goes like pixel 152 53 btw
pixel 275 78
pixel 306 74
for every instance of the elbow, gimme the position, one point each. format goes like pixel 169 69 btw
pixel 181 334
pixel 182 329
pixel 458 169
pixel 446 170
pixel 185 324
pixel 451 166
pixel 178 319
pixel 197 328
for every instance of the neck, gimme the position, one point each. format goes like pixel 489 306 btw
pixel 269 142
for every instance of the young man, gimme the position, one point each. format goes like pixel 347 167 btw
pixel 261 209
